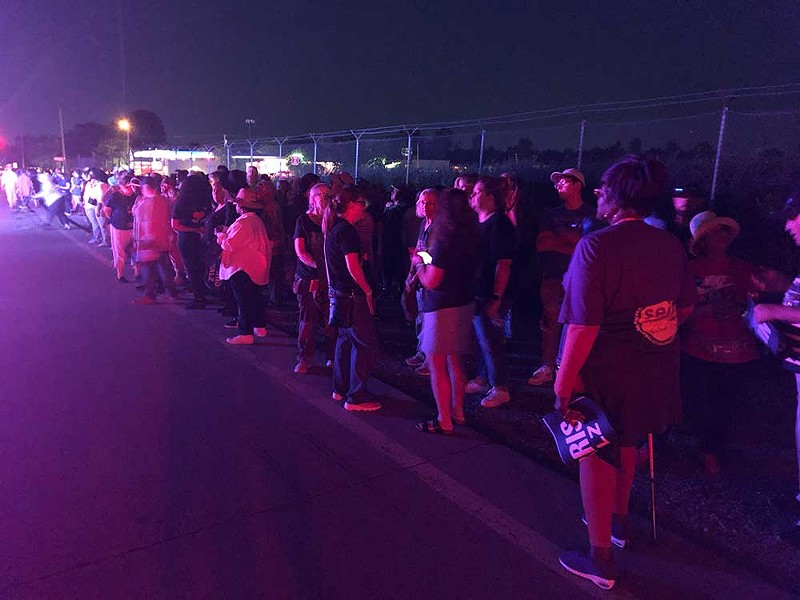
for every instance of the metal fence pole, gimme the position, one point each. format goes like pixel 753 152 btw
pixel 358 141
pixel 227 151
pixel 480 156
pixel 408 156
pixel 315 139
pixel 717 159
pixel 280 147
pixel 580 143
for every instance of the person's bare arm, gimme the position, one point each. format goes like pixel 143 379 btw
pixel 577 345
pixel 502 275
pixel 353 263
pixel 776 312
pixel 550 241
pixel 430 277
pixel 304 255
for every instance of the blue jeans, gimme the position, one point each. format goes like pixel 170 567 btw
pixel 152 270
pixel 356 351
pixel 492 363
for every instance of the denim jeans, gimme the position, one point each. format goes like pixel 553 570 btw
pixel 492 362
pixel 356 351
pixel 151 270
pixel 97 230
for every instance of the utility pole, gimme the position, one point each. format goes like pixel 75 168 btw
pixel 63 145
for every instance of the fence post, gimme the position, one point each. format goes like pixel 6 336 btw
pixel 408 154
pixel 717 159
pixel 358 141
pixel 252 145
pixel 315 138
pixel 280 147
pixel 580 143
pixel 227 151
pixel 480 156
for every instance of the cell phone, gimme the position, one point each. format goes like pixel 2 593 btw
pixel 426 258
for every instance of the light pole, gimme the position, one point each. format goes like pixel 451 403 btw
pixel 250 122
pixel 125 125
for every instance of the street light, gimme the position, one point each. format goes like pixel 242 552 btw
pixel 125 125
pixel 250 122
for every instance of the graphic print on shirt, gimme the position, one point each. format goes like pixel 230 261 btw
pixel 658 323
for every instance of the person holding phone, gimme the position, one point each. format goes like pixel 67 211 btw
pixel 446 273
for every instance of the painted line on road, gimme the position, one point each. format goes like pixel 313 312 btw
pixel 507 527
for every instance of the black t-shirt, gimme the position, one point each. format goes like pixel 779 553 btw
pixel 121 209
pixel 184 210
pixel 458 256
pixel 496 243
pixel 341 240
pixel 560 220
pixel 311 234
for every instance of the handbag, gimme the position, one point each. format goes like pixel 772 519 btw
pixel 577 441
pixel 408 302
pixel 341 311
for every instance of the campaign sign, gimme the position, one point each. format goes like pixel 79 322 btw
pixel 576 442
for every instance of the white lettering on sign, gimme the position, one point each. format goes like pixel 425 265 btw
pixel 578 438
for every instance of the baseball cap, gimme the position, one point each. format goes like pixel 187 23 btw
pixel 574 173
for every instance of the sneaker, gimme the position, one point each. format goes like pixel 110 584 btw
pixel 104 245
pixel 122 279
pixel 476 387
pixel 337 396
pixel 144 300
pixel 241 340
pixel 618 537
pixel 329 364
pixel 67 226
pixel 362 406
pixel 233 324
pixel 424 370
pixel 91 241
pixel 416 361
pixel 602 574
pixel 495 398
pixel 260 331
pixel 301 368
pixel 541 376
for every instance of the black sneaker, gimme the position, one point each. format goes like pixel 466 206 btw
pixel 234 324
pixel 601 573
pixel 618 537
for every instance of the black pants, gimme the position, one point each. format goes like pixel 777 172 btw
pixel 250 302
pixel 711 391
pixel 56 209
pixel 193 253
pixel 356 351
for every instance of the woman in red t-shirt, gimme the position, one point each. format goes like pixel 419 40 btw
pixel 715 341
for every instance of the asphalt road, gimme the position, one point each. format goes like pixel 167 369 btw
pixel 143 457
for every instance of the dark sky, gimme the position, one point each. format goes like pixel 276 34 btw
pixel 298 66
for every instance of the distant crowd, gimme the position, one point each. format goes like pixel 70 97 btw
pixel 644 280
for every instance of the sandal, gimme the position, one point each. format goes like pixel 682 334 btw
pixel 433 426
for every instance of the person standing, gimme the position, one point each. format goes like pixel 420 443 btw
pixel 559 233
pixel 787 317
pixel 310 281
pixel 246 254
pixel 447 276
pixel 119 211
pixel 357 342
pixel 495 255
pixel 25 189
pixel 188 216
pixel 9 182
pixel 151 240
pixel 626 291
pixel 93 193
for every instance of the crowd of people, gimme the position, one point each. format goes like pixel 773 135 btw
pixel 645 282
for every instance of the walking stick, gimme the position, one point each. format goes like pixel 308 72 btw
pixel 652 487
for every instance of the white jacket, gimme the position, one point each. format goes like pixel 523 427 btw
pixel 246 247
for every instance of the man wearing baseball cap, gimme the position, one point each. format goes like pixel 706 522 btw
pixel 560 231
pixel 788 315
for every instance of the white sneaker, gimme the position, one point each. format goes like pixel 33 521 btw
pixel 495 398
pixel 241 340
pixel 541 376
pixel 337 396
pixel 301 368
pixel 476 387
pixel 260 331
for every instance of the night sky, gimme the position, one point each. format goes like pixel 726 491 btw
pixel 298 66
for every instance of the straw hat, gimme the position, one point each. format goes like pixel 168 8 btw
pixel 705 222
